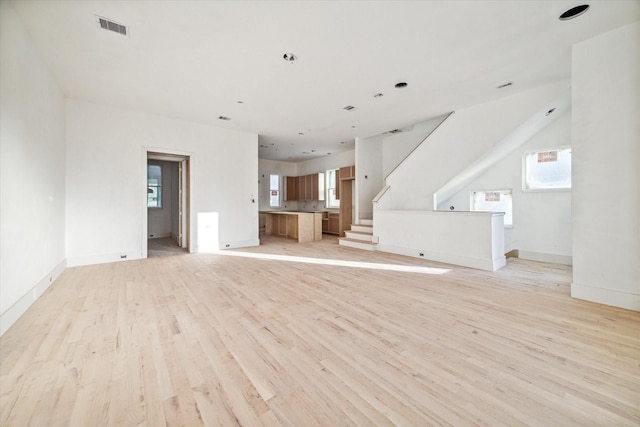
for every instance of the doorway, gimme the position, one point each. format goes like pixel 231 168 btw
pixel 167 204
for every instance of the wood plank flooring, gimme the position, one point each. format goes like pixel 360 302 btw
pixel 232 339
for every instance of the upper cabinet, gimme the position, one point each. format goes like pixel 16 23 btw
pixel 307 187
pixel 291 191
pixel 348 172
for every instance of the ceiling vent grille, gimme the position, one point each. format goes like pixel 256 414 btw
pixel 349 108
pixel 394 131
pixel 107 24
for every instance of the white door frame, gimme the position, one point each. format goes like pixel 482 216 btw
pixel 185 160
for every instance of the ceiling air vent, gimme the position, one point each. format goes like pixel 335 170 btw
pixel 107 24
pixel 349 108
pixel 405 129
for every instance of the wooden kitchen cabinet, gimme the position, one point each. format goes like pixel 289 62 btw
pixel 311 187
pixel 282 226
pixel 333 223
pixel 302 188
pixel 291 188
pixel 347 172
pixel 300 226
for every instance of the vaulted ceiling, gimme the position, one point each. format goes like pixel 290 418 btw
pixel 202 60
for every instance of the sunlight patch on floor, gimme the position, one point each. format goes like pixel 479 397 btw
pixel 336 262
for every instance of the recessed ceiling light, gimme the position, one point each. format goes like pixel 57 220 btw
pixel 289 57
pixel 505 85
pixel 224 118
pixel 400 85
pixel 240 102
pixel 574 12
pixel 301 133
pixel 378 95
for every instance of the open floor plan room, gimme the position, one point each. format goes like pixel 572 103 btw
pixel 318 334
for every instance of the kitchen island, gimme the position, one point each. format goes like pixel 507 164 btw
pixel 302 226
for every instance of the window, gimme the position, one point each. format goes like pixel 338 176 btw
pixel 154 186
pixel 332 188
pixel 547 169
pixel 494 201
pixel 274 191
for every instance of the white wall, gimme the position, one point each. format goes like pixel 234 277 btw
pixel 369 175
pixel 160 219
pixel 395 147
pixel 324 163
pixel 106 180
pixel 541 220
pixel 267 168
pixel 32 186
pixel 606 168
pixel 458 142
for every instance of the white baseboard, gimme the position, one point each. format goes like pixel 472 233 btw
pixel 611 297
pixel 480 264
pixel 231 245
pixel 102 258
pixel 14 312
pixel 545 257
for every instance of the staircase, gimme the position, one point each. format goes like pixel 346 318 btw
pixel 360 236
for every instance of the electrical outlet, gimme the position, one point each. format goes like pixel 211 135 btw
pixel 227 245
pixel 421 254
pixel 123 256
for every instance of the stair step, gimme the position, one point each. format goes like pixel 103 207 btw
pixel 362 228
pixel 359 235
pixel 358 244
pixel 366 221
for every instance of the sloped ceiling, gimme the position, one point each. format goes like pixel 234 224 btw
pixel 199 60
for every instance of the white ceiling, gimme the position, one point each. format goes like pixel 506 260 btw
pixel 195 60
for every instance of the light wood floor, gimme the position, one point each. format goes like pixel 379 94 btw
pixel 209 339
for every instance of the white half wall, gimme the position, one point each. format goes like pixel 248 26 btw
pixel 606 168
pixel 470 239
pixel 32 167
pixel 541 219
pixel 106 180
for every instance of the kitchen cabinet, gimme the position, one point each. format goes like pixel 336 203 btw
pixel 347 172
pixel 291 188
pixel 333 223
pixel 311 187
pixel 301 226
